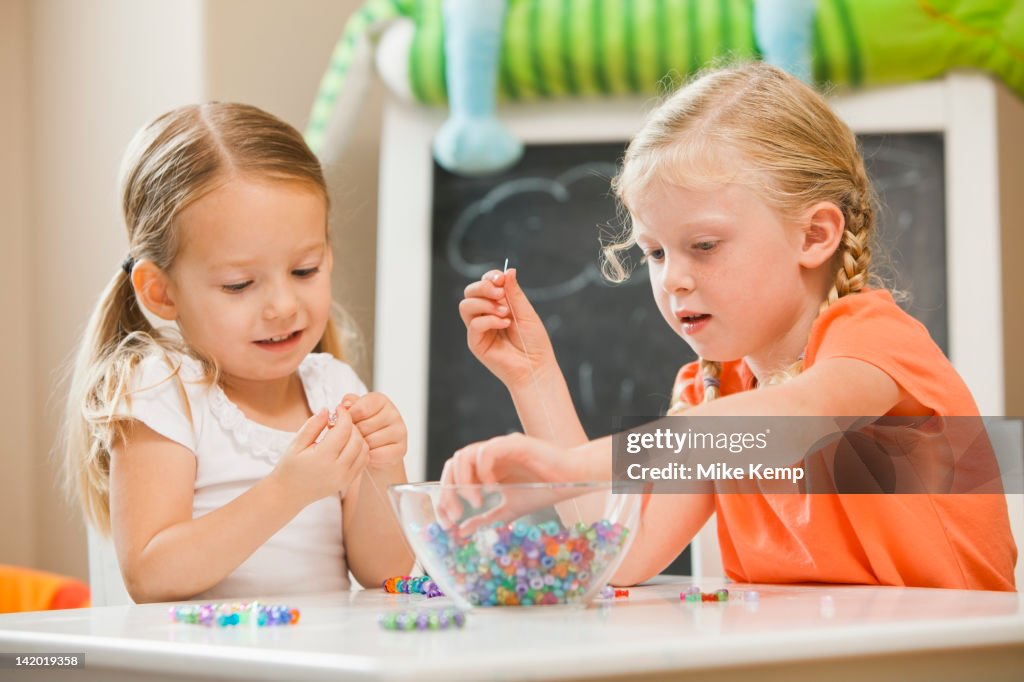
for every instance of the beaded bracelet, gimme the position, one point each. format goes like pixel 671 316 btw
pixel 226 615
pixel 693 594
pixel 404 584
pixel 423 619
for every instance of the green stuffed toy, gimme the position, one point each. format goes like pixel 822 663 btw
pixel 533 49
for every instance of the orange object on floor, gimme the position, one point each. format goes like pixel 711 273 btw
pixel 27 589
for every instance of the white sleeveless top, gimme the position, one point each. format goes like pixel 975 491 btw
pixel 233 453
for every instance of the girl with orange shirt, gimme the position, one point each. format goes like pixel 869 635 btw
pixel 751 204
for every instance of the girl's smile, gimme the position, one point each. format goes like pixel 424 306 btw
pixel 278 344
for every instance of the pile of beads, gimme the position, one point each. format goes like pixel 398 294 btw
pixel 404 584
pixel 226 615
pixel 425 619
pixel 525 564
pixel 693 594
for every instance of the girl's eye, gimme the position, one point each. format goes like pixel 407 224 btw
pixel 233 288
pixel 705 246
pixel 654 254
pixel 306 272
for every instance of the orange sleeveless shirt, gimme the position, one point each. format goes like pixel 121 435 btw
pixel 922 540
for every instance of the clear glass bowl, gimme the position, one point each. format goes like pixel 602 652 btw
pixel 521 544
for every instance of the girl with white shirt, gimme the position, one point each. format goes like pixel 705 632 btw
pixel 230 452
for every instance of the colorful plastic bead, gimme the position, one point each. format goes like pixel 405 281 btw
pixel 232 614
pixel 521 563
pixel 424 619
pixel 404 584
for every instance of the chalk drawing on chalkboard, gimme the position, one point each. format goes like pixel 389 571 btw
pixel 480 215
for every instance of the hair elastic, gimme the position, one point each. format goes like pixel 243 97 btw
pixel 127 264
pixel 710 382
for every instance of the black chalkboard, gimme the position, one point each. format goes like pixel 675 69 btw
pixel 618 355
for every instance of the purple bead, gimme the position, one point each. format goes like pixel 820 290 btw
pixel 460 618
pixel 422 620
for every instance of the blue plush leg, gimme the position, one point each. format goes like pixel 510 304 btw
pixel 783 29
pixel 472 140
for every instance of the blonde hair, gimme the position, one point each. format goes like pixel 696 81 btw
pixel 757 125
pixel 172 162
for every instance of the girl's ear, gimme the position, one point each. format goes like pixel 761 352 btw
pixel 822 228
pixel 152 287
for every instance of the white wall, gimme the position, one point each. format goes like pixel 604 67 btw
pixel 17 452
pixel 81 76
pixel 97 71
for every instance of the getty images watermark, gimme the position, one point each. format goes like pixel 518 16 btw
pixel 851 455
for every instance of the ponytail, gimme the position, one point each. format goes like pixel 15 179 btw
pixel 110 349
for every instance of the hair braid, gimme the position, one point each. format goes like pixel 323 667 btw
pixel 854 253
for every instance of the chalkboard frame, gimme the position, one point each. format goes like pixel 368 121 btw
pixel 961 106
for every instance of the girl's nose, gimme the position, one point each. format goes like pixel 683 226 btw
pixel 282 302
pixel 677 277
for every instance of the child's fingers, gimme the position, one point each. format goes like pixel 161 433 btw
pixel 365 406
pixel 390 435
pixel 448 506
pixel 481 325
pixel 487 288
pixel 387 455
pixel 515 295
pixel 485 460
pixel 354 451
pixel 336 436
pixel 386 420
pixel 500 512
pixel 465 475
pixel 308 432
pixel 471 308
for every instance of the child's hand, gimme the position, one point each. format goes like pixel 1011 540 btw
pixel 315 467
pixel 381 426
pixel 492 333
pixel 505 459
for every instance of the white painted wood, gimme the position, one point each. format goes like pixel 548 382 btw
pixel 812 633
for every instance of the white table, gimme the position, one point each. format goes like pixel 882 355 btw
pixel 793 632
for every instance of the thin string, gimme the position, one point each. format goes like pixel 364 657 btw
pixel 394 520
pixel 332 419
pixel 536 383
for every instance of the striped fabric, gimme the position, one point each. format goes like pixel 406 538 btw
pixel 573 48
pixel 568 48
pixel 372 15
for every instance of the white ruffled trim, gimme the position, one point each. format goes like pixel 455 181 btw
pixel 258 440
